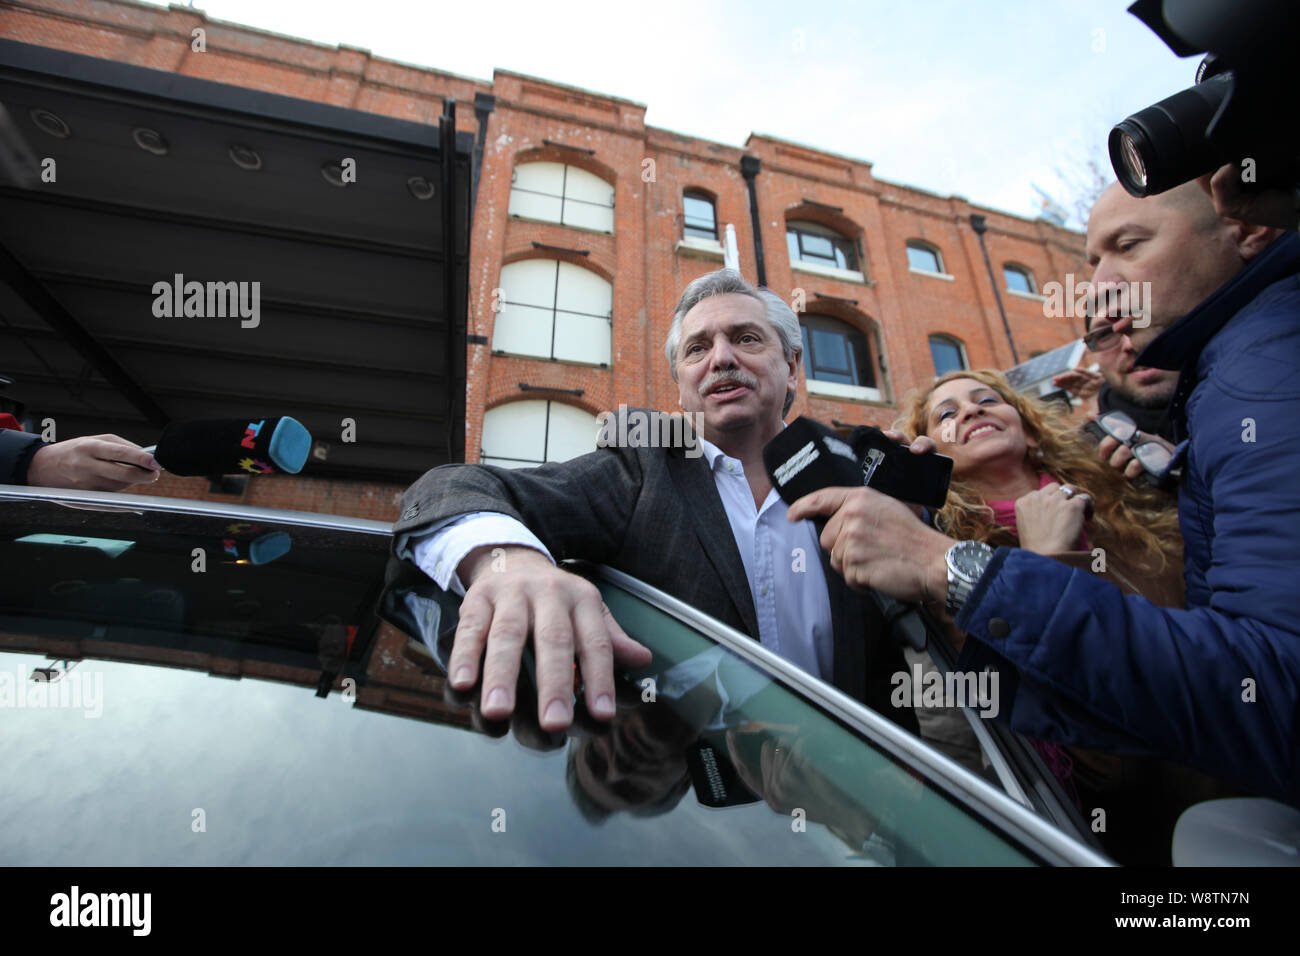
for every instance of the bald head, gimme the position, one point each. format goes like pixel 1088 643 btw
pixel 1191 201
pixel 1188 201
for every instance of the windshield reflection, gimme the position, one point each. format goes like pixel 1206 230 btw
pixel 117 597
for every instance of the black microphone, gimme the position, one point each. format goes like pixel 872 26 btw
pixel 807 456
pixel 233 446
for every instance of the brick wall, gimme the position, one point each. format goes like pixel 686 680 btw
pixel 899 308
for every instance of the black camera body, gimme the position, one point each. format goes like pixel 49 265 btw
pixel 1238 110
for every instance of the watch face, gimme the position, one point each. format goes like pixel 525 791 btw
pixel 970 560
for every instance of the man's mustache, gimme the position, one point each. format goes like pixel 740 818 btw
pixel 731 375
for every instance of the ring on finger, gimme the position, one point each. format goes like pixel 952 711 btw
pixel 1067 491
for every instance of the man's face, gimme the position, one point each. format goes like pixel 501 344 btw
pixel 1174 241
pixel 730 367
pixel 1147 387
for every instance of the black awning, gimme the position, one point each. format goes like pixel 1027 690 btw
pixel 162 180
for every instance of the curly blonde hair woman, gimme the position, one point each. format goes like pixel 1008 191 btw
pixel 1013 457
pixel 1023 446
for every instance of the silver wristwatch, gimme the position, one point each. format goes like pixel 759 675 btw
pixel 966 562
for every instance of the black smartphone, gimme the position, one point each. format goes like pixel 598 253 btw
pixel 891 469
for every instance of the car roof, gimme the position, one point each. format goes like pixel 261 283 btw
pixel 165 505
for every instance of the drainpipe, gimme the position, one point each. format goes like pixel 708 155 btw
pixel 749 169
pixel 452 312
pixel 980 226
pixel 484 104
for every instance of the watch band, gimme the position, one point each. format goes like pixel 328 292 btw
pixel 966 563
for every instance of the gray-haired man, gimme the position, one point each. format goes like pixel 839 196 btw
pixel 708 529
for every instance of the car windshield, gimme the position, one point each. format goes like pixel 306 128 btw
pixel 127 742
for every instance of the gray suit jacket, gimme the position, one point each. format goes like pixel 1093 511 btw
pixel 655 514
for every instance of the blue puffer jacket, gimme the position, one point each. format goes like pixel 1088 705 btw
pixel 1215 685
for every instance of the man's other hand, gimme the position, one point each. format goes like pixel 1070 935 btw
pixel 517 592
pixel 1084 384
pixel 1260 207
pixel 94 463
pixel 1121 458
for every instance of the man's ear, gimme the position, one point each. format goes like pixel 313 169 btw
pixel 1250 239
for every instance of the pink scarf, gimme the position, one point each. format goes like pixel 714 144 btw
pixel 1004 513
pixel 1054 755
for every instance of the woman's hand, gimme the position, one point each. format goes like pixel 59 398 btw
pixel 1050 519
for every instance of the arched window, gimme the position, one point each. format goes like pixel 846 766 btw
pixel 555 310
pixel 555 192
pixel 814 244
pixel 526 434
pixel 1018 279
pixel 836 352
pixel 923 257
pixel 948 354
pixel 699 218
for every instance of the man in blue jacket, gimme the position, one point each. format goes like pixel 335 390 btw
pixel 1216 684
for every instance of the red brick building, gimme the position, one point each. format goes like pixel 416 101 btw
pixel 587 224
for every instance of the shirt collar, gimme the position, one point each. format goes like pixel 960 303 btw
pixel 713 453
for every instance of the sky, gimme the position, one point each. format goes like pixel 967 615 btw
pixel 982 98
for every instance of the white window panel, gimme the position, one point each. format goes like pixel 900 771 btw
pixel 515 432
pixel 528 322
pixel 588 201
pixel 554 192
pixel 581 338
pixel 585 216
pixel 572 432
pixel 525 434
pixel 523 330
pixel 537 191
pixel 587 187
pixel 533 206
pixel 531 282
pixel 581 290
pixel 547 178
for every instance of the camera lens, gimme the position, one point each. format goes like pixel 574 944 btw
pixel 1168 144
pixel 1132 159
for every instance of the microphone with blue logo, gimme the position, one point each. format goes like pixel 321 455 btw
pixel 234 446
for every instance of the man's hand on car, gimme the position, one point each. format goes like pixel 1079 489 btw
pixel 93 463
pixel 514 591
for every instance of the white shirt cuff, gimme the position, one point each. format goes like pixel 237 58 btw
pixel 438 553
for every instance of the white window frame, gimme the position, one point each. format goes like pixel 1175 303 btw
pixel 923 246
pixel 553 414
pixel 951 340
pixel 506 336
pixel 1033 292
pixel 568 195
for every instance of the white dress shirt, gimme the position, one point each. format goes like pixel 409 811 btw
pixel 782 562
